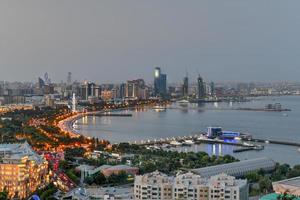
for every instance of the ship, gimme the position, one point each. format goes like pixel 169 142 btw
pixel 175 143
pixel 183 103
pixel 159 108
pixel 188 142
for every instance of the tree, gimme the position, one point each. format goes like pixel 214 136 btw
pixel 100 179
pixel 4 194
pixel 265 184
pixel 253 177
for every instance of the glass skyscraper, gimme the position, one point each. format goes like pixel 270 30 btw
pixel 160 83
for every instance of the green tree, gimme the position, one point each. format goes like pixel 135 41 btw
pixel 265 184
pixel 4 194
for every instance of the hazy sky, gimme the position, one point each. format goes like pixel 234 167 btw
pixel 112 40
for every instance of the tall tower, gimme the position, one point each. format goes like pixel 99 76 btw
pixel 201 88
pixel 160 83
pixel 185 86
pixel 69 79
pixel 74 103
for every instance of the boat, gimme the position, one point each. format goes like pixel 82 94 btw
pixel 188 142
pixel 248 144
pixel 159 108
pixel 175 143
pixel 183 103
pixel 155 147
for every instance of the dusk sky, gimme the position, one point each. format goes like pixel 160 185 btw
pixel 112 41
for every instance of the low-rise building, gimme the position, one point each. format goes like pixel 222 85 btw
pixel 189 186
pixel 237 169
pixel 289 186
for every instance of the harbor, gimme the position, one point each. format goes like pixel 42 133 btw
pixel 159 123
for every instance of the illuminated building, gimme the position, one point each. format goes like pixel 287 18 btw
pixel 22 171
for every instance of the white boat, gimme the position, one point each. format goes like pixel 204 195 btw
pixel 175 143
pixel 159 108
pixel 156 147
pixel 248 144
pixel 183 103
pixel 189 142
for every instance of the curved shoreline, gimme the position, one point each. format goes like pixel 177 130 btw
pixel 66 125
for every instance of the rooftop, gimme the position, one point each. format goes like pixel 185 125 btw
pixel 291 182
pixel 237 169
pixel 18 151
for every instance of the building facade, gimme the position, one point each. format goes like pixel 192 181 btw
pixel 89 89
pixel 22 171
pixel 201 88
pixel 185 87
pixel 160 83
pixel 189 187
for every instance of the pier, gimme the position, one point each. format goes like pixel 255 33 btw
pixel 296 144
pixel 243 144
pixel 194 139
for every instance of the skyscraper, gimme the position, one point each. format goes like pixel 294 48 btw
pixel 89 89
pixel 160 83
pixel 69 78
pixel 201 88
pixel 136 89
pixel 185 87
pixel 212 89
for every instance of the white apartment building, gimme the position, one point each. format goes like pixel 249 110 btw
pixel 189 186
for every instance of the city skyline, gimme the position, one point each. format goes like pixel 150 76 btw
pixel 170 100
pixel 232 41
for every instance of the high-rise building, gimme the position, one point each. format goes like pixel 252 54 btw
pixel 201 88
pixel 69 78
pixel 185 87
pixel 160 83
pixel 22 171
pixel 122 90
pixel 189 186
pixel 89 89
pixel 212 89
pixel 136 89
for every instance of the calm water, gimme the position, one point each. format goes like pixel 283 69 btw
pixel 149 124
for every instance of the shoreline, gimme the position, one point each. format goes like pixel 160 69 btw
pixel 66 125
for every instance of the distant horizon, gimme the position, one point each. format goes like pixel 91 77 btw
pixel 108 41
pixel 191 81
